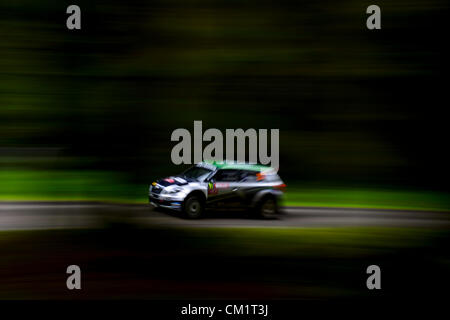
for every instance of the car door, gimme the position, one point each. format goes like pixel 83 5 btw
pixel 248 186
pixel 223 185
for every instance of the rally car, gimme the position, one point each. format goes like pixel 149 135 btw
pixel 224 184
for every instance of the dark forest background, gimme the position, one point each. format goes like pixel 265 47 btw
pixel 354 106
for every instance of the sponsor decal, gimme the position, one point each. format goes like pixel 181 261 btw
pixel 212 188
pixel 222 185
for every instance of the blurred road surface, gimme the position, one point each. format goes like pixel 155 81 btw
pixel 47 215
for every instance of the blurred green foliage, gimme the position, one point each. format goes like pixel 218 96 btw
pixel 58 185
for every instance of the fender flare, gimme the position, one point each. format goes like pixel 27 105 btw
pixel 264 193
pixel 198 193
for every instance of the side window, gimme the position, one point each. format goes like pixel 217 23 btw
pixel 248 176
pixel 227 176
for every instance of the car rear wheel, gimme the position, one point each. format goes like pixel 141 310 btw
pixel 193 207
pixel 268 208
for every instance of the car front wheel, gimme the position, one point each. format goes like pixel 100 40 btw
pixel 193 207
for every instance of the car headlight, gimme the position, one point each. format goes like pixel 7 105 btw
pixel 173 191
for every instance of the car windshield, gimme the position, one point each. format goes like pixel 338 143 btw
pixel 196 173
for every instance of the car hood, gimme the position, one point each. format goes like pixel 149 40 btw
pixel 174 180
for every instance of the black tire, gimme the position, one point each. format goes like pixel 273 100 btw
pixel 267 208
pixel 193 207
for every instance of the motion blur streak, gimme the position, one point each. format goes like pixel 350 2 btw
pixel 354 107
pixel 86 115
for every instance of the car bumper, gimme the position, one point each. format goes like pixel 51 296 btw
pixel 168 203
